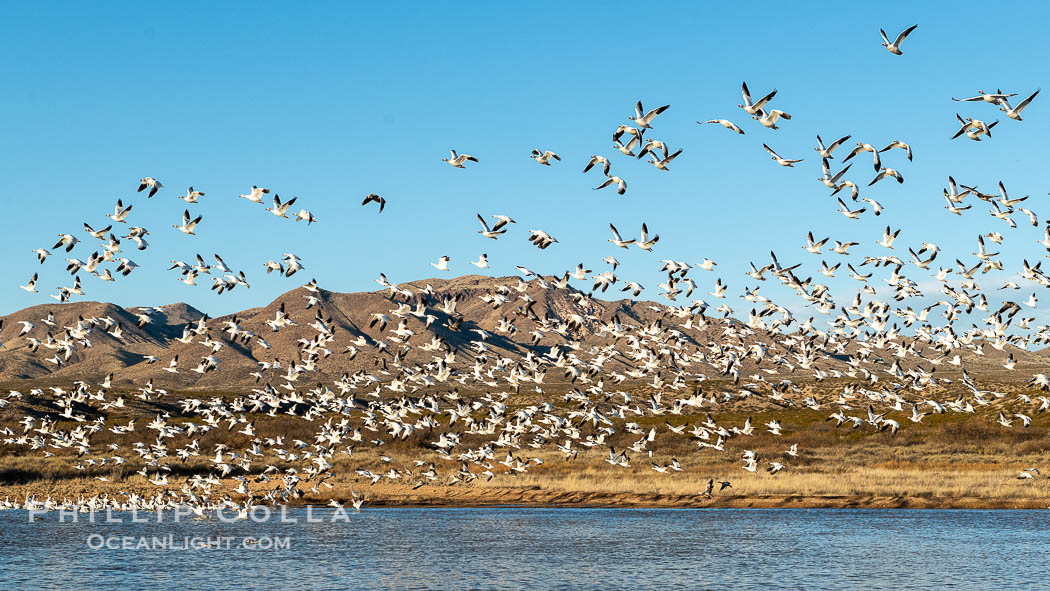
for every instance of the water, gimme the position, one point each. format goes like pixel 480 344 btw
pixel 515 548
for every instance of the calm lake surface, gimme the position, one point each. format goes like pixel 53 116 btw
pixel 513 548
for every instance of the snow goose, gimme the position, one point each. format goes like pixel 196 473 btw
pixel 973 128
pixel 780 161
pixel 888 237
pixel 876 207
pixel 851 214
pixel 628 148
pixel 30 285
pixel 153 184
pixel 482 262
pixel 895 47
pixel 644 242
pixel 304 214
pixel 280 209
pixel 188 224
pixel 887 173
pixel 595 159
pixel 812 246
pixel 191 195
pixel 541 239
pixel 831 181
pixel 843 247
pixel 621 185
pixel 643 121
pixel 255 195
pixel 755 108
pixel 617 240
pixel 627 129
pixel 726 123
pixel 665 162
pixel 1015 112
pixel 862 147
pixel 827 152
pixel 854 191
pixel 544 158
pixel 458 160
pixel 67 240
pixel 952 207
pixel 42 254
pixel 120 213
pixel 292 264
pixel 99 234
pixel 898 144
pixel 493 233
pixel 126 266
pixel 442 264
pixel 770 119
pixel 987 97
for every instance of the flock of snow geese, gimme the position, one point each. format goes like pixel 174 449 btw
pixel 456 401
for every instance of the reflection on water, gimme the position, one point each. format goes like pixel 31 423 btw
pixel 512 548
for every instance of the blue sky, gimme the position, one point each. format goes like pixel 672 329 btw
pixel 332 102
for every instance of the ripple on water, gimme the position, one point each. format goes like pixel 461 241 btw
pixel 515 548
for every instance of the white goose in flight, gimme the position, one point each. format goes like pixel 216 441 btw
pixel 755 108
pixel 888 237
pixel 541 239
pixel 304 214
pixel 544 158
pixel 621 185
pixel 726 123
pixel 770 119
pixel 895 47
pixel 30 285
pixel 1015 112
pixel 458 160
pixel 831 181
pixel 644 242
pixel 987 97
pixel 595 159
pixel 651 145
pixel 188 224
pixel 67 240
pixel 862 147
pixel 812 246
pixel 619 241
pixel 496 230
pixel 781 161
pixel 851 214
pixel 255 195
pixel 442 264
pixel 898 144
pixel 665 162
pixel 191 196
pixel 482 262
pixel 644 121
pixel 280 209
pixel 120 213
pixel 153 184
pixel 973 128
pixel 887 173
pixel 99 234
pixel 827 152
pixel 628 148
pixel 952 207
